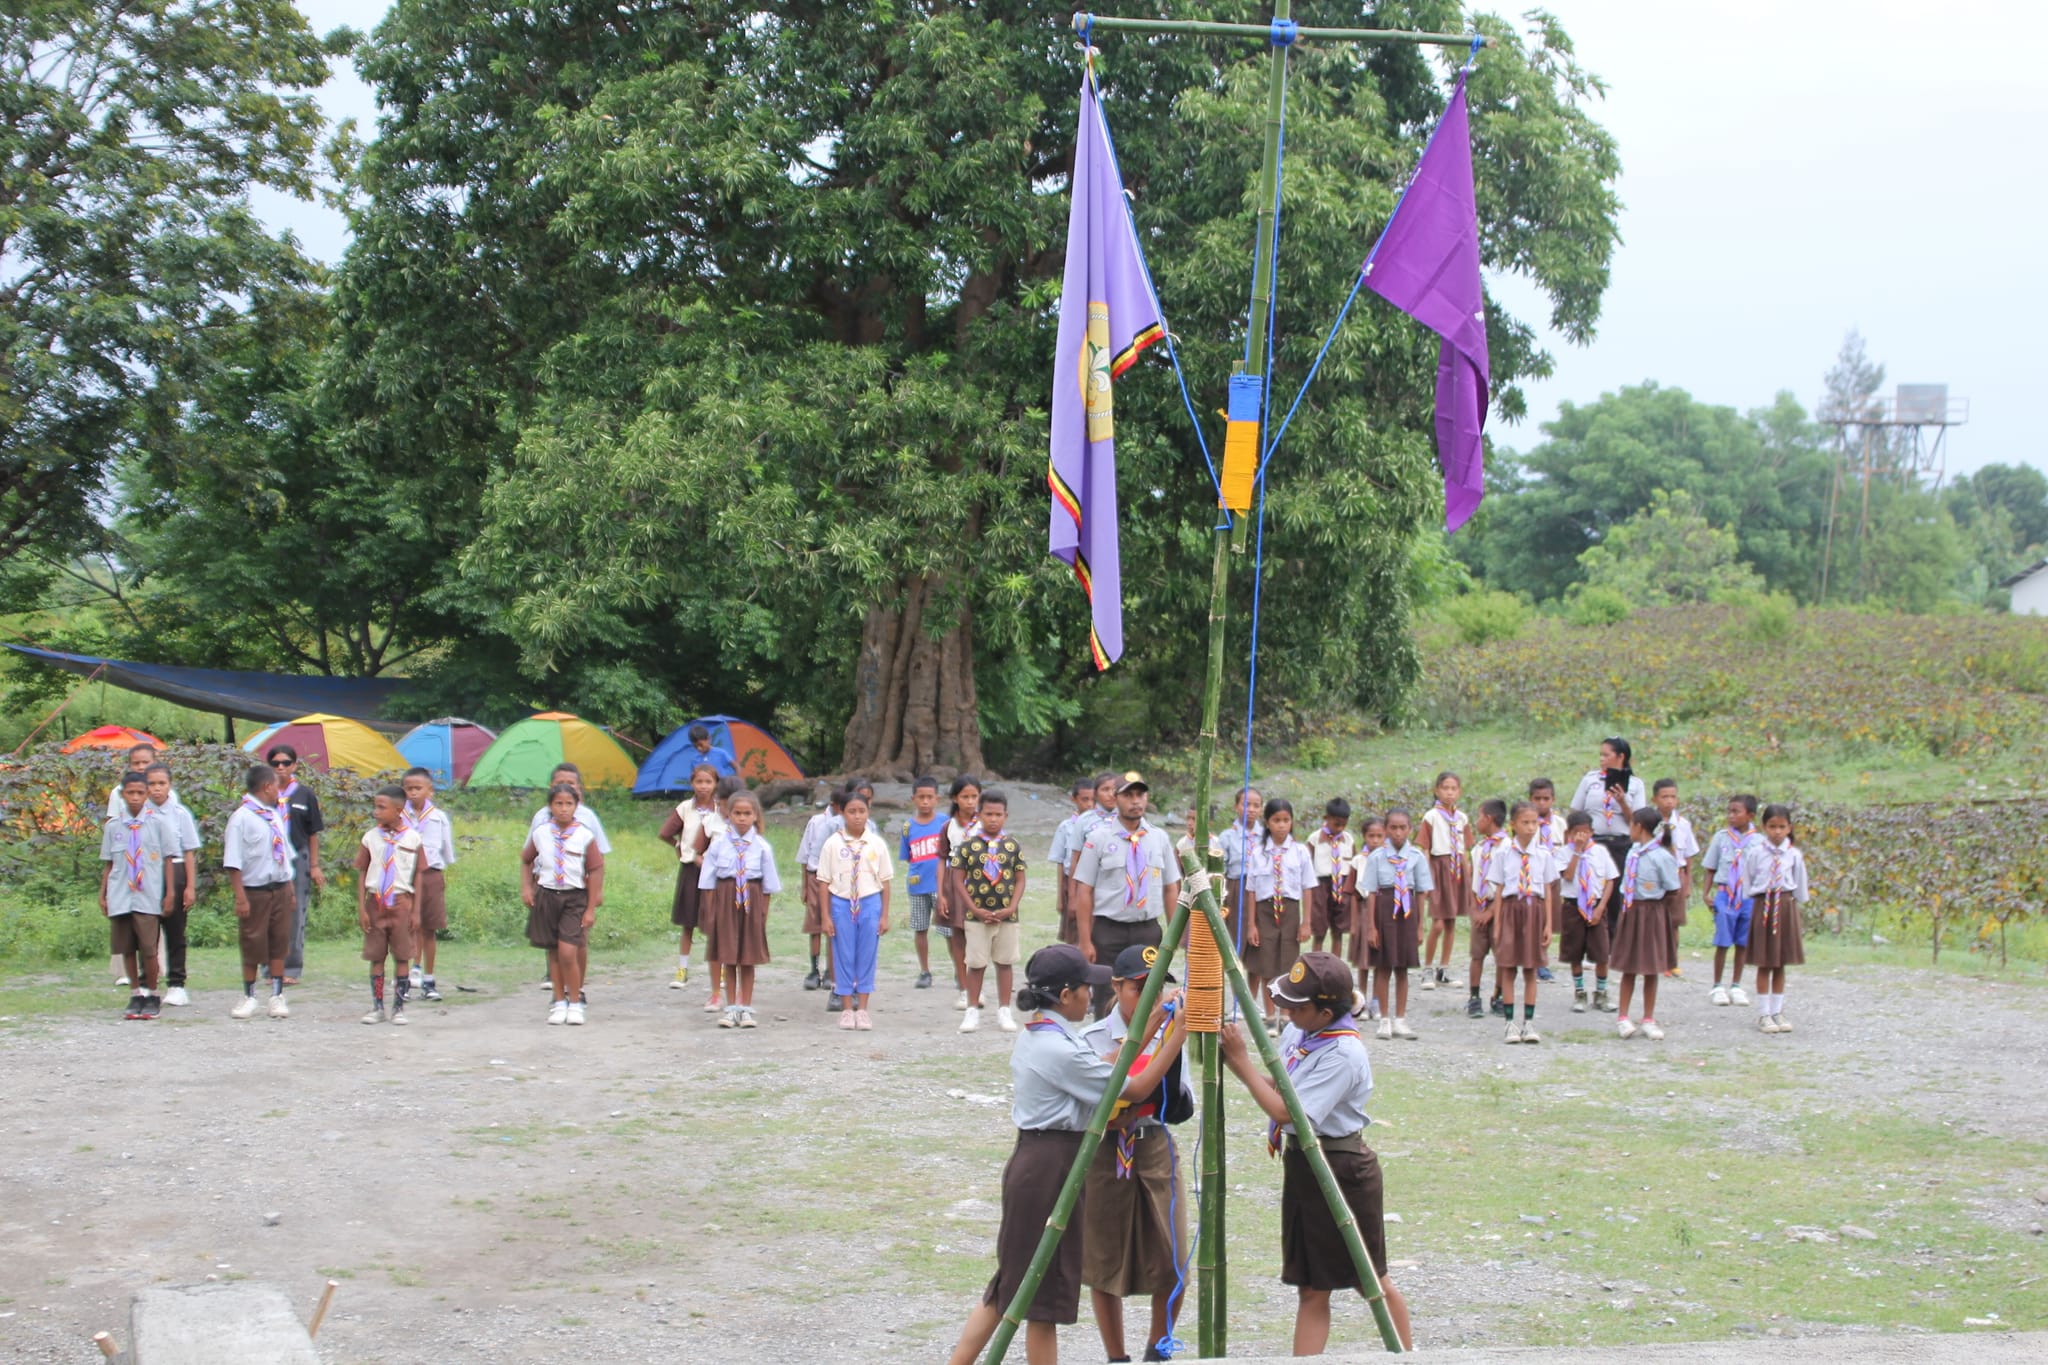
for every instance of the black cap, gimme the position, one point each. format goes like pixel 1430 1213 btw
pixel 1320 979
pixel 1135 963
pixel 1060 966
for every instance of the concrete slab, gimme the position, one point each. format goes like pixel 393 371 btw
pixel 1969 1348
pixel 238 1323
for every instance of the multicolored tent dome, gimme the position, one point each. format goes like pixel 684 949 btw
pixel 325 743
pixel 755 755
pixel 120 737
pixel 448 748
pixel 525 753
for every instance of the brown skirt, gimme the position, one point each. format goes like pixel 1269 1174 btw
pixel 683 912
pixel 1400 936
pixel 1452 898
pixel 1312 1250
pixel 1279 945
pixel 730 938
pixel 1640 938
pixel 1032 1179
pixel 1137 1227
pixel 1519 938
pixel 1776 936
pixel 949 909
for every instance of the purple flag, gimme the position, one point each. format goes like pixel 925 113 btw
pixel 1427 265
pixel 1107 318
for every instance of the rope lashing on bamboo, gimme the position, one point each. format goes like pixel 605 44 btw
pixel 1241 441
pixel 1202 1006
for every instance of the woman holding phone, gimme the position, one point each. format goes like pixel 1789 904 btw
pixel 1610 794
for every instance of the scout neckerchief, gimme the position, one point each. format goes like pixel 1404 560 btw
pixel 1334 842
pixel 561 834
pixel 1044 1025
pixel 387 879
pixel 1404 899
pixel 1137 876
pixel 850 850
pixel 135 851
pixel 1279 864
pixel 1524 884
pixel 1606 796
pixel 740 847
pixel 1547 832
pixel 1628 876
pixel 272 818
pixel 1589 883
pixel 1456 820
pixel 1342 1027
pixel 1730 874
pixel 419 820
pixel 1777 852
pixel 1483 857
pixel 991 864
pixel 1126 1138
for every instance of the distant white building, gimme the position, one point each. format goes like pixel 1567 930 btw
pixel 2029 590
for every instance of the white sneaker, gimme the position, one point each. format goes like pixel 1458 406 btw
pixel 375 1016
pixel 278 1008
pixel 547 983
pixel 1529 1033
pixel 1514 1032
pixel 961 1003
pixel 417 980
pixel 1624 1027
pixel 746 1017
pixel 176 996
pixel 121 981
pixel 1719 996
pixel 1766 1024
pixel 1386 1027
pixel 1737 996
pixel 971 1020
pixel 575 1013
pixel 1652 1032
pixel 1779 1020
pixel 1428 980
pixel 1005 1020
pixel 245 1010
pixel 680 979
pixel 1401 1030
pixel 558 1013
pixel 398 1015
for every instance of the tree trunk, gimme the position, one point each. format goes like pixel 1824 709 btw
pixel 915 712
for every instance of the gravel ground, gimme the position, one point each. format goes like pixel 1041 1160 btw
pixel 652 1188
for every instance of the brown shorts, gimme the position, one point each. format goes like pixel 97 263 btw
pixel 133 933
pixel 1328 910
pixel 1137 1226
pixel 817 904
pixel 556 917
pixel 266 934
pixel 433 900
pixel 1032 1179
pixel 1482 937
pixel 1312 1250
pixel 1578 940
pixel 393 937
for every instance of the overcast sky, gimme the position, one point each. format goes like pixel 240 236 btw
pixel 1790 170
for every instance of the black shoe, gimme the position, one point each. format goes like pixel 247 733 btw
pixel 134 1010
pixel 429 992
pixel 832 1005
pixel 1502 1008
pixel 924 981
pixel 1442 977
pixel 812 981
pixel 1472 1009
pixel 152 1006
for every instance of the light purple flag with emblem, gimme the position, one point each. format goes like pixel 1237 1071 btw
pixel 1108 316
pixel 1427 265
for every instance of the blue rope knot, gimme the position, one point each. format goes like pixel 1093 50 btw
pixel 1284 32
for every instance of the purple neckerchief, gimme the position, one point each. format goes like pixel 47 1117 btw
pixel 1342 1027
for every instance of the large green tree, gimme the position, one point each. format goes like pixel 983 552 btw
pixel 720 334
pixel 131 132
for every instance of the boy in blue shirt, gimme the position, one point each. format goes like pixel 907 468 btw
pixel 919 851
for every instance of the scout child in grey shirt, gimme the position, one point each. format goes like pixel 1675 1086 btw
pixel 388 867
pixel 257 853
pixel 430 897
pixel 134 892
pixel 184 877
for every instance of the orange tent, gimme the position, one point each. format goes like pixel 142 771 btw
pixel 120 737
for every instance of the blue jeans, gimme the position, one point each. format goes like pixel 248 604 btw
pixel 856 942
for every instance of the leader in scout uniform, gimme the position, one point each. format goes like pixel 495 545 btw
pixel 1134 1234
pixel 1126 882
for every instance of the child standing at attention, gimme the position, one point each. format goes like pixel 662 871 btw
pixel 1732 910
pixel 136 902
pixel 1586 884
pixel 713 829
pixel 1550 822
pixel 855 872
pixel 1396 882
pixel 990 866
pixel 437 850
pixel 817 830
pixel 964 796
pixel 561 879
pixel 1521 888
pixel 1066 848
pixel 388 866
pixel 680 831
pixel 256 850
pixel 1642 932
pixel 1685 846
pixel 183 876
pixel 919 850
pixel 1279 872
pixel 1331 849
pixel 1447 839
pixel 1327 1064
pixel 1774 878
pixel 739 872
pixel 1490 826
pixel 1372 835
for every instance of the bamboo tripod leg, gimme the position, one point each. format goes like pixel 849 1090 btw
pixel 1070 1191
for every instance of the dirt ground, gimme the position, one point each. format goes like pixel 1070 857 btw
pixel 653 1188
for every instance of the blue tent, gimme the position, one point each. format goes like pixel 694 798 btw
pixel 448 748
pixel 745 747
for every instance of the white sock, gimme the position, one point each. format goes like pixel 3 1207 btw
pixel 683 961
pixel 1778 1004
pixel 1763 1005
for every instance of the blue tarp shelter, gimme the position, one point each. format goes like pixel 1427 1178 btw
pixel 250 696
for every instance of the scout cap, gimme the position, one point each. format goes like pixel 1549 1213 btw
pixel 1135 963
pixel 1131 782
pixel 1320 979
pixel 1060 966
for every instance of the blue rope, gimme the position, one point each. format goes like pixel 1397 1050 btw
pixel 1170 1345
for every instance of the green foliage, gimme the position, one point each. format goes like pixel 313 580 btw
pixel 1315 753
pixel 1484 617
pixel 1667 553
pixel 1594 605
pixel 1764 618
pixel 130 137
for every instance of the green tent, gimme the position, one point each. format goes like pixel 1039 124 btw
pixel 526 753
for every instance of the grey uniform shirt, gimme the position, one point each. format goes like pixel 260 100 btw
pixel 246 848
pixel 1105 854
pixel 1105 1037
pixel 1656 872
pixel 1058 1077
pixel 437 836
pixel 1610 821
pixel 184 829
pixel 1334 1083
pixel 156 846
pixel 1232 839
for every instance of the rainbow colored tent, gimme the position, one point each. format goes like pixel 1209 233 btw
pixel 524 754
pixel 120 737
pixel 448 748
pixel 325 742
pixel 755 755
